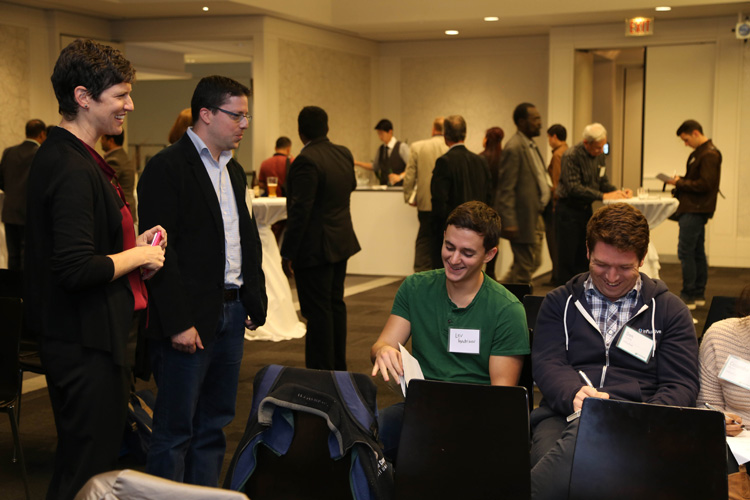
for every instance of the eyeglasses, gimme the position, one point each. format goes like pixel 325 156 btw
pixel 236 116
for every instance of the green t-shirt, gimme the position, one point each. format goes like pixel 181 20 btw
pixel 422 299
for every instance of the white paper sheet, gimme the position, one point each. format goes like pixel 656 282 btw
pixel 740 446
pixel 412 370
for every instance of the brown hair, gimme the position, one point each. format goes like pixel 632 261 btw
pixel 478 217
pixel 181 124
pixel 621 226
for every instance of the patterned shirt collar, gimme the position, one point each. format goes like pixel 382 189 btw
pixel 610 315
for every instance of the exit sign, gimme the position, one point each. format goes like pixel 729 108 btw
pixel 639 26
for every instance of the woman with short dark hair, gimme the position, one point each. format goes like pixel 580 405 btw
pixel 84 265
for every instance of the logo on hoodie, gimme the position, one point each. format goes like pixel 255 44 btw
pixel 646 331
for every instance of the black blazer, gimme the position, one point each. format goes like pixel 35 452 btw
pixel 73 223
pixel 14 173
pixel 175 191
pixel 319 226
pixel 459 176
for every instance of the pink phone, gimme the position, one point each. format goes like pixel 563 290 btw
pixel 156 240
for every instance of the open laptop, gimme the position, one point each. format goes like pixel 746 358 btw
pixel 630 450
pixel 463 441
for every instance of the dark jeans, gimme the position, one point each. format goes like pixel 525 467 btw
pixel 570 226
pixel 389 429
pixel 15 240
pixel 321 299
pixel 196 400
pixel 692 254
pixel 552 446
pixel 89 396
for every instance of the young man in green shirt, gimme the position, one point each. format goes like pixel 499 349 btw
pixel 464 326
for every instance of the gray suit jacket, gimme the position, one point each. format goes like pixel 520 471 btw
pixel 419 169
pixel 517 198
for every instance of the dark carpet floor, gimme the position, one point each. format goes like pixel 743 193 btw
pixel 368 312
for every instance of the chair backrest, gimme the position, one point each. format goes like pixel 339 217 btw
pixel 531 304
pixel 520 290
pixel 630 450
pixel 463 441
pixel 11 324
pixel 133 485
pixel 721 308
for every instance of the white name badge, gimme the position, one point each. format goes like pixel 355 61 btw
pixel 636 344
pixel 464 341
pixel 736 371
pixel 602 171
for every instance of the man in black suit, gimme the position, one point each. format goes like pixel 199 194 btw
pixel 211 287
pixel 14 172
pixel 459 176
pixel 320 237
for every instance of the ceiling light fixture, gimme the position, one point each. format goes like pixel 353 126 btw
pixel 663 9
pixel 491 18
pixel 205 9
pixel 451 32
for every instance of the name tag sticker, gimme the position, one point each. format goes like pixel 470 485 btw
pixel 636 344
pixel 464 341
pixel 736 371
pixel 602 171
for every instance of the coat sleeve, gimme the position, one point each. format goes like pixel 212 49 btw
pixel 710 387
pixel 440 186
pixel 159 204
pixel 410 177
pixel 553 373
pixel 707 180
pixel 677 358
pixel 302 185
pixel 505 195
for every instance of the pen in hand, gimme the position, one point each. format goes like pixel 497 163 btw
pixel 577 413
pixel 711 407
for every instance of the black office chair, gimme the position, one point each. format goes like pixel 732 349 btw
pixel 531 304
pixel 520 290
pixel 630 450
pixel 11 324
pixel 463 441
pixel 11 285
pixel 721 308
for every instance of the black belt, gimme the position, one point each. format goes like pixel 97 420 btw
pixel 231 294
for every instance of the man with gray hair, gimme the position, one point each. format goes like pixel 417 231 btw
pixel 583 180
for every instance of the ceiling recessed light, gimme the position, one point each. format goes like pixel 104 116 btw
pixel 451 32
pixel 663 9
pixel 205 9
pixel 491 18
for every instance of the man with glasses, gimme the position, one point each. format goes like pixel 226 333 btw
pixel 212 289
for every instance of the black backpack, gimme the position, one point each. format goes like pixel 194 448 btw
pixel 346 401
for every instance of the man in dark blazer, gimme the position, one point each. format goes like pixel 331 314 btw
pixel 320 237
pixel 211 288
pixel 459 176
pixel 14 172
pixel 523 192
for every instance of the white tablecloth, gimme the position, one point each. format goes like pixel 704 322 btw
pixel 656 209
pixel 282 322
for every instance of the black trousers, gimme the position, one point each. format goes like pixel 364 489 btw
pixel 15 241
pixel 89 395
pixel 321 299
pixel 570 226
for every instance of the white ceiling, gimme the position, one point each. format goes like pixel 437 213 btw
pixel 392 20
